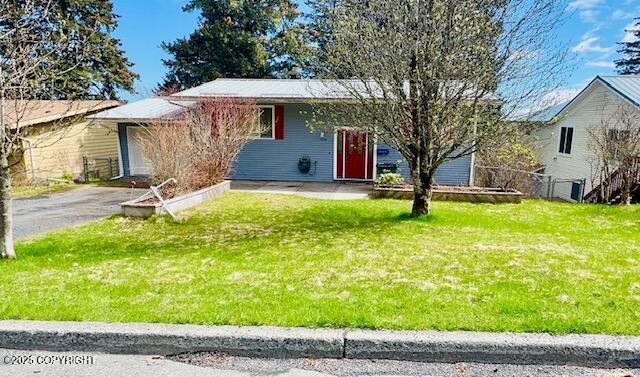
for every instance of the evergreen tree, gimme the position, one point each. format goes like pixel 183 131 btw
pixel 237 38
pixel 319 31
pixel 100 67
pixel 630 64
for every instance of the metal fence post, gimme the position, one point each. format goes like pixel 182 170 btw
pixel 85 168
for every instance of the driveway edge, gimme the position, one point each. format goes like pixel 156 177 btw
pixel 283 342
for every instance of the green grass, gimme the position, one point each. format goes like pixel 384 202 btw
pixel 20 192
pixel 248 259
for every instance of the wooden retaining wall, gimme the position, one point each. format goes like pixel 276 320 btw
pixel 473 196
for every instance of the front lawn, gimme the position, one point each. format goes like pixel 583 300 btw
pixel 249 259
pixel 20 192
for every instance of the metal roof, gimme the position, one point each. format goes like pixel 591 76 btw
pixel 25 113
pixel 150 108
pixel 626 86
pixel 272 89
pixel 548 114
pixel 307 89
pixel 261 90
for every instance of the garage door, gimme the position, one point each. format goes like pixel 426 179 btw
pixel 138 162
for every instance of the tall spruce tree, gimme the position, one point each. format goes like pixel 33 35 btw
pixel 237 38
pixel 319 32
pixel 101 70
pixel 630 64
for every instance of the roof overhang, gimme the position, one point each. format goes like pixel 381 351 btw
pixel 584 92
pixel 64 115
pixel 267 92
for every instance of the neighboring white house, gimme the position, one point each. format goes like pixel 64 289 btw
pixel 565 144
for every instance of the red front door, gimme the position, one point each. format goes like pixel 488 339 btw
pixel 354 158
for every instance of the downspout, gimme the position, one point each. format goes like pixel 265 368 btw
pixel 31 158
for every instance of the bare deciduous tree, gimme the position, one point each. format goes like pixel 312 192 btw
pixel 615 144
pixel 436 79
pixel 199 146
pixel 29 63
pixel 510 164
pixel 167 146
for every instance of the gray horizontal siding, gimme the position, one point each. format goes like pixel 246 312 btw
pixel 452 173
pixel 455 173
pixel 278 159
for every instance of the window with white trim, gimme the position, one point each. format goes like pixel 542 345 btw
pixel 265 129
pixel 566 140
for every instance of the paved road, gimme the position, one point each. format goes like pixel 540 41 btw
pixel 214 365
pixel 58 210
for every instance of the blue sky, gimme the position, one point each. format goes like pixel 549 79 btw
pixel 142 27
pixel 591 33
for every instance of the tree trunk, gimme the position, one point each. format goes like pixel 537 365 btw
pixel 422 191
pixel 422 202
pixel 625 196
pixel 6 221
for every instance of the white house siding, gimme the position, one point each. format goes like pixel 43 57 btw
pixel 584 114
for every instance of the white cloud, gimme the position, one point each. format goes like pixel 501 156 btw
pixel 601 64
pixel 619 14
pixel 584 4
pixel 559 96
pixel 588 44
pixel 589 15
pixel 588 9
pixel 553 98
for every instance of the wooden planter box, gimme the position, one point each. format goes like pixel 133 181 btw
pixel 136 208
pixel 454 194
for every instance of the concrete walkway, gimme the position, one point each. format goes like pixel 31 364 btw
pixel 44 213
pixel 318 190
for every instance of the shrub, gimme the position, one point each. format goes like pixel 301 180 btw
pixel 389 179
pixel 198 147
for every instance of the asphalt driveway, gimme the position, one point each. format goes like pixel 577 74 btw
pixel 63 209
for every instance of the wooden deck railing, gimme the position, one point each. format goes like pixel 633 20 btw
pixel 614 184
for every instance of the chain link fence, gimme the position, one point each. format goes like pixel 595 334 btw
pixel 533 185
pixel 99 167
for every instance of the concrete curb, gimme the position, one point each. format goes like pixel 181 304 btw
pixel 279 342
pixel 160 339
pixel 499 348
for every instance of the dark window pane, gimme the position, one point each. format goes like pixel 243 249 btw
pixel 576 188
pixel 266 122
pixel 563 138
pixel 567 148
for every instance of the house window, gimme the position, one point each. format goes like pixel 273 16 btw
pixel 265 128
pixel 566 140
pixel 618 135
pixel 617 138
